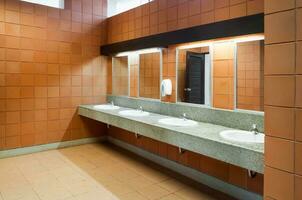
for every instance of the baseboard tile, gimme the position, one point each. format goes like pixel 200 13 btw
pixel 51 146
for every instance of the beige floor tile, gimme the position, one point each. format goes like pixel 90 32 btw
pixel 12 179
pixel 172 185
pixel 96 195
pixel 118 188
pixel 32 196
pixel 89 172
pixel 154 175
pixel 43 178
pixel 171 197
pixel 153 192
pixel 125 175
pixel 55 190
pixel 81 187
pixel 139 182
pixel 132 196
pixel 17 192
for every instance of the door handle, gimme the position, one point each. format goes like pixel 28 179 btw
pixel 188 89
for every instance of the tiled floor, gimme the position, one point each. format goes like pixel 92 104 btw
pixel 93 172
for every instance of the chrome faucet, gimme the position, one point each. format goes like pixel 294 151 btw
pixel 140 108
pixel 254 129
pixel 184 116
pixel 112 103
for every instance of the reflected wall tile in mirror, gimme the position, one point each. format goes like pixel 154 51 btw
pixel 250 70
pixel 120 76
pixel 149 75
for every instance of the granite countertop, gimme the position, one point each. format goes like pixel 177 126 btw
pixel 203 138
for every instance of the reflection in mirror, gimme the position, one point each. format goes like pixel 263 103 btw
pixel 134 69
pixel 149 75
pixel 250 77
pixel 120 75
pixel 194 75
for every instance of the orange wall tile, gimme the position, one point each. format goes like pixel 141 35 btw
pixel 280 59
pixel 47 57
pixel 284 159
pixel 280 122
pixel 282 97
pixel 298 185
pixel 278 184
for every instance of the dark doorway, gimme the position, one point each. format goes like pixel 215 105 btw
pixel 195 78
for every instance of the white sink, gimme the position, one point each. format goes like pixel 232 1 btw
pixel 106 107
pixel 171 121
pixel 242 136
pixel 133 113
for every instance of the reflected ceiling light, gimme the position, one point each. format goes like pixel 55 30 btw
pixel 197 45
pixel 247 38
pixel 53 3
pixel 142 51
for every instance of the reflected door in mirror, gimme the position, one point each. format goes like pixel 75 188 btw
pixel 197 65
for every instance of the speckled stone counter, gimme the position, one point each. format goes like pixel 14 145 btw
pixel 203 138
pixel 238 119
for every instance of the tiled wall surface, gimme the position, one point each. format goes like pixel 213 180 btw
pixel 167 15
pixel 120 76
pixel 49 64
pixel 250 78
pixel 223 171
pixel 282 98
pixel 223 75
pixel 134 76
pixel 149 75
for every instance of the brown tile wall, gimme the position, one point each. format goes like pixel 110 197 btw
pixel 250 78
pixel 282 99
pixel 168 15
pixel 149 75
pixel 223 171
pixel 49 64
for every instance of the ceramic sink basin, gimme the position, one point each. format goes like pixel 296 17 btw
pixel 133 113
pixel 242 136
pixel 177 122
pixel 106 107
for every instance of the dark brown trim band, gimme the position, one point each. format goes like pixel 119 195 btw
pixel 229 28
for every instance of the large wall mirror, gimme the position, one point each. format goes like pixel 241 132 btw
pixel 226 74
pixel 120 76
pixel 137 74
